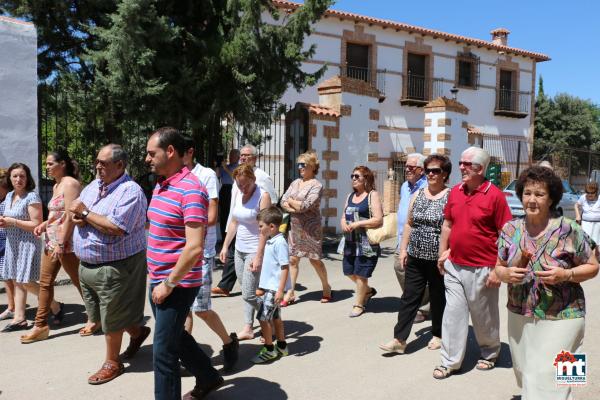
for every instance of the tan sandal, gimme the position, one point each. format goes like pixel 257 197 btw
pixel 89 331
pixel 443 372
pixel 109 371
pixel 486 365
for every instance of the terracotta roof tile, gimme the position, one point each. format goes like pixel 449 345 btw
pixel 417 29
pixel 321 110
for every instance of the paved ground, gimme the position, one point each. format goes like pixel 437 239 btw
pixel 332 356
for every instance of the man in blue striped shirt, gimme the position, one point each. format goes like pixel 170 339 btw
pixel 110 241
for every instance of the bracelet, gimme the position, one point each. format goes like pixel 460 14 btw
pixel 572 275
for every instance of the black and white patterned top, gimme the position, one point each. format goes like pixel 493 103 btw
pixel 427 219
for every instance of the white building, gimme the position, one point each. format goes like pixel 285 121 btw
pixel 18 103
pixel 388 92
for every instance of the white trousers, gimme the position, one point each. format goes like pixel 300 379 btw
pixel 534 344
pixel 466 294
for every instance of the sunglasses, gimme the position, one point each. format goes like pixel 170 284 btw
pixel 355 176
pixel 466 163
pixel 435 171
pixel 301 165
pixel 590 193
pixel 411 167
pixel 246 155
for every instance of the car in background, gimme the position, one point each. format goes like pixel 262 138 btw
pixel 566 206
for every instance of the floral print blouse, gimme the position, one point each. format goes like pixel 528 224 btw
pixel 563 244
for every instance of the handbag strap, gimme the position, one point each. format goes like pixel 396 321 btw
pixel 370 207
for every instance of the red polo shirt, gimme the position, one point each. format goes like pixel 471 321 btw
pixel 476 219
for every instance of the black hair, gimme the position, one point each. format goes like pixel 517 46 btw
pixel 169 136
pixel 537 174
pixel 71 166
pixel 30 182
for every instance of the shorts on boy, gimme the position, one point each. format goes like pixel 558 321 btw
pixel 203 302
pixel 268 310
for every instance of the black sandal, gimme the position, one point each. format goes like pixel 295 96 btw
pixel 370 295
pixel 17 326
pixel 58 317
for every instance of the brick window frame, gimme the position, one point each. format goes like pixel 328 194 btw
pixel 419 48
pixel 467 56
pixel 508 65
pixel 358 36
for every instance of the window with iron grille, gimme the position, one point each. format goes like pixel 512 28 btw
pixel 467 71
pixel 357 61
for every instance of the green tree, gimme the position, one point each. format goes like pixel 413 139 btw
pixel 184 62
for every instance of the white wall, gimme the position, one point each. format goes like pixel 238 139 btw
pixel 18 103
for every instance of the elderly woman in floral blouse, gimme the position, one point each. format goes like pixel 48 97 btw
pixel 543 259
pixel 302 200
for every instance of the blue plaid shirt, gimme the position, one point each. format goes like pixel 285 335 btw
pixel 124 204
pixel 406 192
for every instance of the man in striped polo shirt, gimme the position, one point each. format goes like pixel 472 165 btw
pixel 178 216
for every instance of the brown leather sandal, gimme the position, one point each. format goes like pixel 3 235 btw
pixel 109 371
pixel 89 331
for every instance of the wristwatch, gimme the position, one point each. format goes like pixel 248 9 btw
pixel 169 284
pixel 85 213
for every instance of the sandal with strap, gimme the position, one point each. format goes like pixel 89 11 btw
pixel 89 331
pixel 355 314
pixel 485 365
pixel 444 372
pixel 109 371
pixel 370 295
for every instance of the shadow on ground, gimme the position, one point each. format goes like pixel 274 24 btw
pixel 249 388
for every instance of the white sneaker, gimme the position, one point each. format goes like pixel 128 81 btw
pixel 7 314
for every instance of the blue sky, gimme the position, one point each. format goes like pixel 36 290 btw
pixel 567 31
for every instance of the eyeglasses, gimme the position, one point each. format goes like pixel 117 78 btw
pixel 592 193
pixel 411 167
pixel 246 155
pixel 355 176
pixel 301 165
pixel 435 171
pixel 466 163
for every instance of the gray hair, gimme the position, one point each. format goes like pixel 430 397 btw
pixel 118 153
pixel 478 156
pixel 419 157
pixel 251 148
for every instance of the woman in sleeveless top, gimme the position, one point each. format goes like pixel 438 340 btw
pixel 363 211
pixel 419 255
pixel 249 244
pixel 22 213
pixel 303 201
pixel 57 250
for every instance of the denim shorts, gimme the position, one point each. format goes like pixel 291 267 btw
pixel 203 302
pixel 267 309
pixel 359 265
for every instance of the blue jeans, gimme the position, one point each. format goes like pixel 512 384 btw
pixel 172 343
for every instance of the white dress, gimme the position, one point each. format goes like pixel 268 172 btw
pixel 23 250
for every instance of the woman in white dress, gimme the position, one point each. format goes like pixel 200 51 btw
pixel 587 211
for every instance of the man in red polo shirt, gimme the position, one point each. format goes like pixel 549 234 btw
pixel 475 213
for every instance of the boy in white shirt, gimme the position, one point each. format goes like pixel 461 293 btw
pixel 274 282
